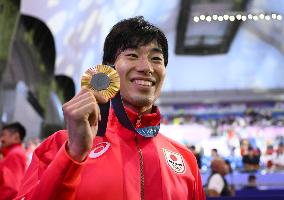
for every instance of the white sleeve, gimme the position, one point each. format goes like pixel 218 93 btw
pixel 278 159
pixel 216 183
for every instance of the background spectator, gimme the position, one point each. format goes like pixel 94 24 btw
pixel 197 155
pixel 278 158
pixel 251 160
pixel 217 184
pixel 14 161
pixel 251 184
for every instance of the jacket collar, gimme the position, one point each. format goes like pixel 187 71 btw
pixel 152 119
pixel 6 150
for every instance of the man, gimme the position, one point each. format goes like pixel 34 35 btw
pixel 121 163
pixel 13 163
pixel 217 185
pixel 251 160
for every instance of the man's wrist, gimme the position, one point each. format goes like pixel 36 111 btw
pixel 76 155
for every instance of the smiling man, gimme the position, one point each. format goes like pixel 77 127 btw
pixel 142 72
pixel 125 162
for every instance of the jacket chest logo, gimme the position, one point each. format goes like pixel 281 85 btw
pixel 174 161
pixel 99 149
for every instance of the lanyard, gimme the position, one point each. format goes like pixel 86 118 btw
pixel 121 115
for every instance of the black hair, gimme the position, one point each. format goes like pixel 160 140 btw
pixel 215 150
pixel 16 127
pixel 251 177
pixel 250 148
pixel 129 33
pixel 192 147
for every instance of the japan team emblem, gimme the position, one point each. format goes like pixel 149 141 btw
pixel 174 161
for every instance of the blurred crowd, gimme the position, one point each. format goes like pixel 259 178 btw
pixel 247 145
pixel 246 154
pixel 247 148
pixel 217 115
pixel 219 166
pixel 250 160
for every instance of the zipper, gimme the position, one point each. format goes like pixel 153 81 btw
pixel 137 125
pixel 138 121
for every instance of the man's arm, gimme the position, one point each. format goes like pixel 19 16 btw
pixel 215 185
pixel 52 174
pixel 55 174
pixel 213 193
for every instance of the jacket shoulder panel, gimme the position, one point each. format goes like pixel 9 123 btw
pixel 186 153
pixel 47 150
pixel 177 145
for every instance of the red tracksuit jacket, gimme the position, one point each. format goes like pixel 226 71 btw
pixel 12 169
pixel 121 165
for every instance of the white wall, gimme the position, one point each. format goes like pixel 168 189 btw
pixel 25 113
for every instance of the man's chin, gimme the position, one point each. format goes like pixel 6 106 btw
pixel 139 102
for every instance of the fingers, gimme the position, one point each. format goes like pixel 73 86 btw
pixel 82 107
pixel 86 111
pixel 83 110
pixel 95 116
pixel 100 97
pixel 84 93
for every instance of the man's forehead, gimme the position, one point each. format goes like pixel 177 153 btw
pixel 3 132
pixel 152 46
pixel 6 131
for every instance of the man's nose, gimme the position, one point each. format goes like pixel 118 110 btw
pixel 145 66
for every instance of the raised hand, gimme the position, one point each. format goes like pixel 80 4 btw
pixel 82 115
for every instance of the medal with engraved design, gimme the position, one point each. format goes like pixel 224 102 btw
pixel 103 79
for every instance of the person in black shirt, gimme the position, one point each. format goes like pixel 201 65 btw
pixel 251 160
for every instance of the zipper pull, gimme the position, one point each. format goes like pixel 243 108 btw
pixel 138 121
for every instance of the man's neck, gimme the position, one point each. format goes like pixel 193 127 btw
pixel 140 110
pixel 5 150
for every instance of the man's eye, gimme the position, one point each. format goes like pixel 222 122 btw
pixel 157 59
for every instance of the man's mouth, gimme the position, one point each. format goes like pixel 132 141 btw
pixel 143 82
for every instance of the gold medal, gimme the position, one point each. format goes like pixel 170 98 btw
pixel 103 79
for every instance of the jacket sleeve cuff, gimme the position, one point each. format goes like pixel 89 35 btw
pixel 69 168
pixel 70 158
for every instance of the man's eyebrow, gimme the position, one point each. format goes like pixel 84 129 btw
pixel 157 50
pixel 154 50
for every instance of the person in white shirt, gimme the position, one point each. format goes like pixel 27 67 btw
pixel 278 158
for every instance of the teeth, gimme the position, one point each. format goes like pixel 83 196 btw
pixel 142 82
